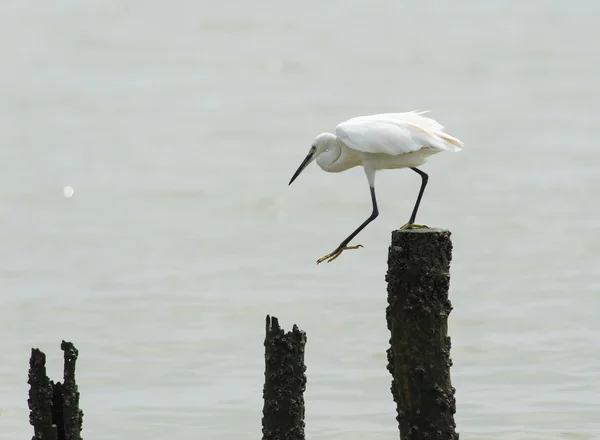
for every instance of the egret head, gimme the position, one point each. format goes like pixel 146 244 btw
pixel 319 145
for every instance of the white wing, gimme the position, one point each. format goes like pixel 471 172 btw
pixel 395 133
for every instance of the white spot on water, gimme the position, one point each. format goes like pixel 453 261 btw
pixel 68 191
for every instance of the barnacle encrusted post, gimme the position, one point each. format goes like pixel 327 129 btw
pixel 285 382
pixel 418 280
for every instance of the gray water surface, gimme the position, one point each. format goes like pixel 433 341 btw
pixel 179 124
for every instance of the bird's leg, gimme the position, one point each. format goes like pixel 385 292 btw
pixel 333 255
pixel 412 226
pixel 344 245
pixel 411 222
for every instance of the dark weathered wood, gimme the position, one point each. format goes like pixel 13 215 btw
pixel 285 382
pixel 54 407
pixel 68 393
pixel 417 316
pixel 40 398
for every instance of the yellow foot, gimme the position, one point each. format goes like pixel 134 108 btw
pixel 412 226
pixel 332 256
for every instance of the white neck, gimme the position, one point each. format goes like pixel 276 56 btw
pixel 332 152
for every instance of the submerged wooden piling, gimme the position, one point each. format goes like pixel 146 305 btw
pixel 418 279
pixel 54 407
pixel 285 382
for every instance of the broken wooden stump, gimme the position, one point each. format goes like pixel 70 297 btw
pixel 54 407
pixel 285 382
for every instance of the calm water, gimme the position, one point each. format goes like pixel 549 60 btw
pixel 179 124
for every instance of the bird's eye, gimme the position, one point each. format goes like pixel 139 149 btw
pixel 313 148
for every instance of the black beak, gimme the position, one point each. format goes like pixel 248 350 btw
pixel 303 165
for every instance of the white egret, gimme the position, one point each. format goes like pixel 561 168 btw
pixel 377 142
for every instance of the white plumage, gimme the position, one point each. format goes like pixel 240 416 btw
pixel 395 133
pixel 382 141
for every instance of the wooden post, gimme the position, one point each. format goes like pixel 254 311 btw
pixel 54 407
pixel 417 316
pixel 285 382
